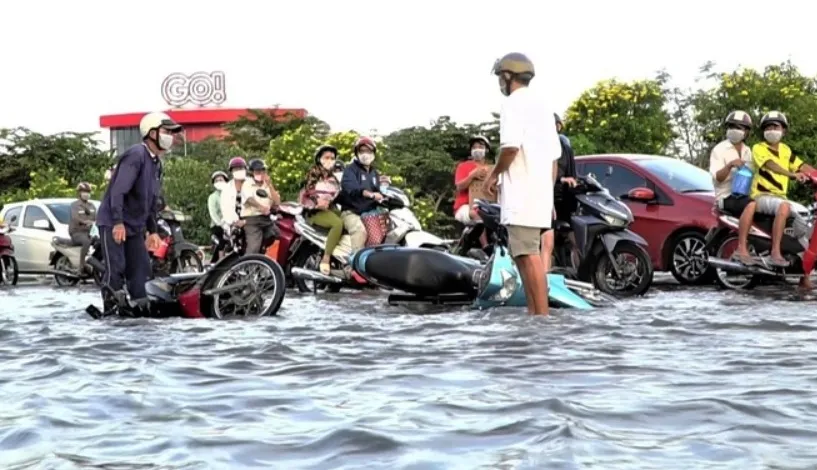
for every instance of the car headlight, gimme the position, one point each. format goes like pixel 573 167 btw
pixel 614 221
pixel 509 286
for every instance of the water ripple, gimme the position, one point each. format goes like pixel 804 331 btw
pixel 681 380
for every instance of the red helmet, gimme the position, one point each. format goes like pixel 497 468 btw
pixel 237 162
pixel 367 142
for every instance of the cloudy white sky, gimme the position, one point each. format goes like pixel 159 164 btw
pixel 366 64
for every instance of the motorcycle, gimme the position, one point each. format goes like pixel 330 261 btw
pixel 433 277
pixel 174 254
pixel 722 240
pixel 65 260
pixel 8 263
pixel 307 250
pixel 249 286
pixel 603 242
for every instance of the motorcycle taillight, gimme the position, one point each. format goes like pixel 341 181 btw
pixel 161 251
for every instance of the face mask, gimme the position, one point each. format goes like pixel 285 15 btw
pixel 773 137
pixel 328 165
pixel 84 196
pixel 220 185
pixel 366 158
pixel 165 141
pixel 478 154
pixel 734 135
pixel 240 174
pixel 258 178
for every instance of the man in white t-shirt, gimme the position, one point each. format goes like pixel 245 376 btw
pixel 529 152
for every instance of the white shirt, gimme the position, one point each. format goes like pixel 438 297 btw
pixel 526 123
pixel 722 154
pixel 228 195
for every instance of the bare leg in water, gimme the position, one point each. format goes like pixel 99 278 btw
pixel 535 281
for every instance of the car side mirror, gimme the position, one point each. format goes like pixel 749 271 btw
pixel 262 193
pixel 641 195
pixel 41 224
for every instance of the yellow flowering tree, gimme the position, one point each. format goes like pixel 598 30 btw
pixel 620 117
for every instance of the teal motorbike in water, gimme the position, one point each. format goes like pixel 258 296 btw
pixel 431 276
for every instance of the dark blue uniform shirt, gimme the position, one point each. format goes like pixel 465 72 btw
pixel 133 193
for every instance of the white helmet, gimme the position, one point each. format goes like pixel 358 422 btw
pixel 156 120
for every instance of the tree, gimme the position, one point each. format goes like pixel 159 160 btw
pixel 253 132
pixel 186 188
pixel 619 117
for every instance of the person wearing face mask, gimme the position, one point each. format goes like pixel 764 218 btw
pixel 776 164
pixel 231 200
pixel 83 217
pixel 255 212
pixel 318 195
pixel 219 181
pixel 468 178
pixel 724 161
pixel 360 192
pixel 128 210
pixel 564 201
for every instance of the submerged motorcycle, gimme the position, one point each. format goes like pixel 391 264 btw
pixel 175 254
pixel 250 286
pixel 722 242
pixel 307 251
pixel 434 277
pixel 607 254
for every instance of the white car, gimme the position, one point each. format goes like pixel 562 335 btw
pixel 36 223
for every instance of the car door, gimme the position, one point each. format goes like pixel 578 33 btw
pixel 38 231
pixel 619 180
pixel 12 218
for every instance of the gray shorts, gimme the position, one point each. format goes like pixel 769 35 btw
pixel 769 205
pixel 524 240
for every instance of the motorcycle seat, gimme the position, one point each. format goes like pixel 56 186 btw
pixel 421 271
pixel 64 241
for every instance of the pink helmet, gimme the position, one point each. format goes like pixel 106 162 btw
pixel 237 162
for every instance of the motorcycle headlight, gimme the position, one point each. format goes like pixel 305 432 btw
pixel 509 286
pixel 614 221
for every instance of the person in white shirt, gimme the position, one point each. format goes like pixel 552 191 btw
pixel 724 160
pixel 231 202
pixel 529 153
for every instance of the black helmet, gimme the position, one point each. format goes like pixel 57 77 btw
pixel 339 166
pixel 479 138
pixel 774 117
pixel 515 63
pixel 257 165
pixel 84 187
pixel 738 118
pixel 324 148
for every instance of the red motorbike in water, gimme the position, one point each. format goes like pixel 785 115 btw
pixel 8 263
pixel 722 240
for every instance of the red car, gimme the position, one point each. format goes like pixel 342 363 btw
pixel 677 219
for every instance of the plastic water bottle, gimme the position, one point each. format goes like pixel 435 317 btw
pixel 742 181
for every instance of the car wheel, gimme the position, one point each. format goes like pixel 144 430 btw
pixel 688 261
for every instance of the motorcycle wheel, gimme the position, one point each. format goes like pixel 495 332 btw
pixel 310 258
pixel 64 264
pixel 637 280
pixel 733 282
pixel 246 300
pixel 8 265
pixel 187 262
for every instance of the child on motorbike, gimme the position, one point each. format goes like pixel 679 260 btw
pixel 318 195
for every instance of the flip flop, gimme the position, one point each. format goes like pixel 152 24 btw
pixel 324 268
pixel 745 260
pixel 780 263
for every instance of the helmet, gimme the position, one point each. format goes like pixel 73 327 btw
pixel 237 162
pixel 156 120
pixel 257 165
pixel 84 187
pixel 219 173
pixel 479 138
pixel 367 141
pixel 514 63
pixel 738 118
pixel 324 148
pixel 558 119
pixel 339 166
pixel 774 117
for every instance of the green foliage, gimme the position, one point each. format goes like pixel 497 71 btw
pixel 252 133
pixel 186 188
pixel 618 117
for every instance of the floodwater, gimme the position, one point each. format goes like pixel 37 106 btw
pixel 686 379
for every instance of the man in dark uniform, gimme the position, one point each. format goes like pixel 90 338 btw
pixel 128 211
pixel 83 215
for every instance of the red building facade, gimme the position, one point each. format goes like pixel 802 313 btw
pixel 199 124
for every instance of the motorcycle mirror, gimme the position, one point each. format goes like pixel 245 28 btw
pixel 641 194
pixel 261 193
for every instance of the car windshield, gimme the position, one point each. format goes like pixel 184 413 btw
pixel 679 175
pixel 61 211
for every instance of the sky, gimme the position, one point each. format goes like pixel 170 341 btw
pixel 367 65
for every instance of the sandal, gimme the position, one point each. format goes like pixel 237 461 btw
pixel 778 262
pixel 324 268
pixel 744 260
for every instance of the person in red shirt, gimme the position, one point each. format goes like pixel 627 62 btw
pixel 468 172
